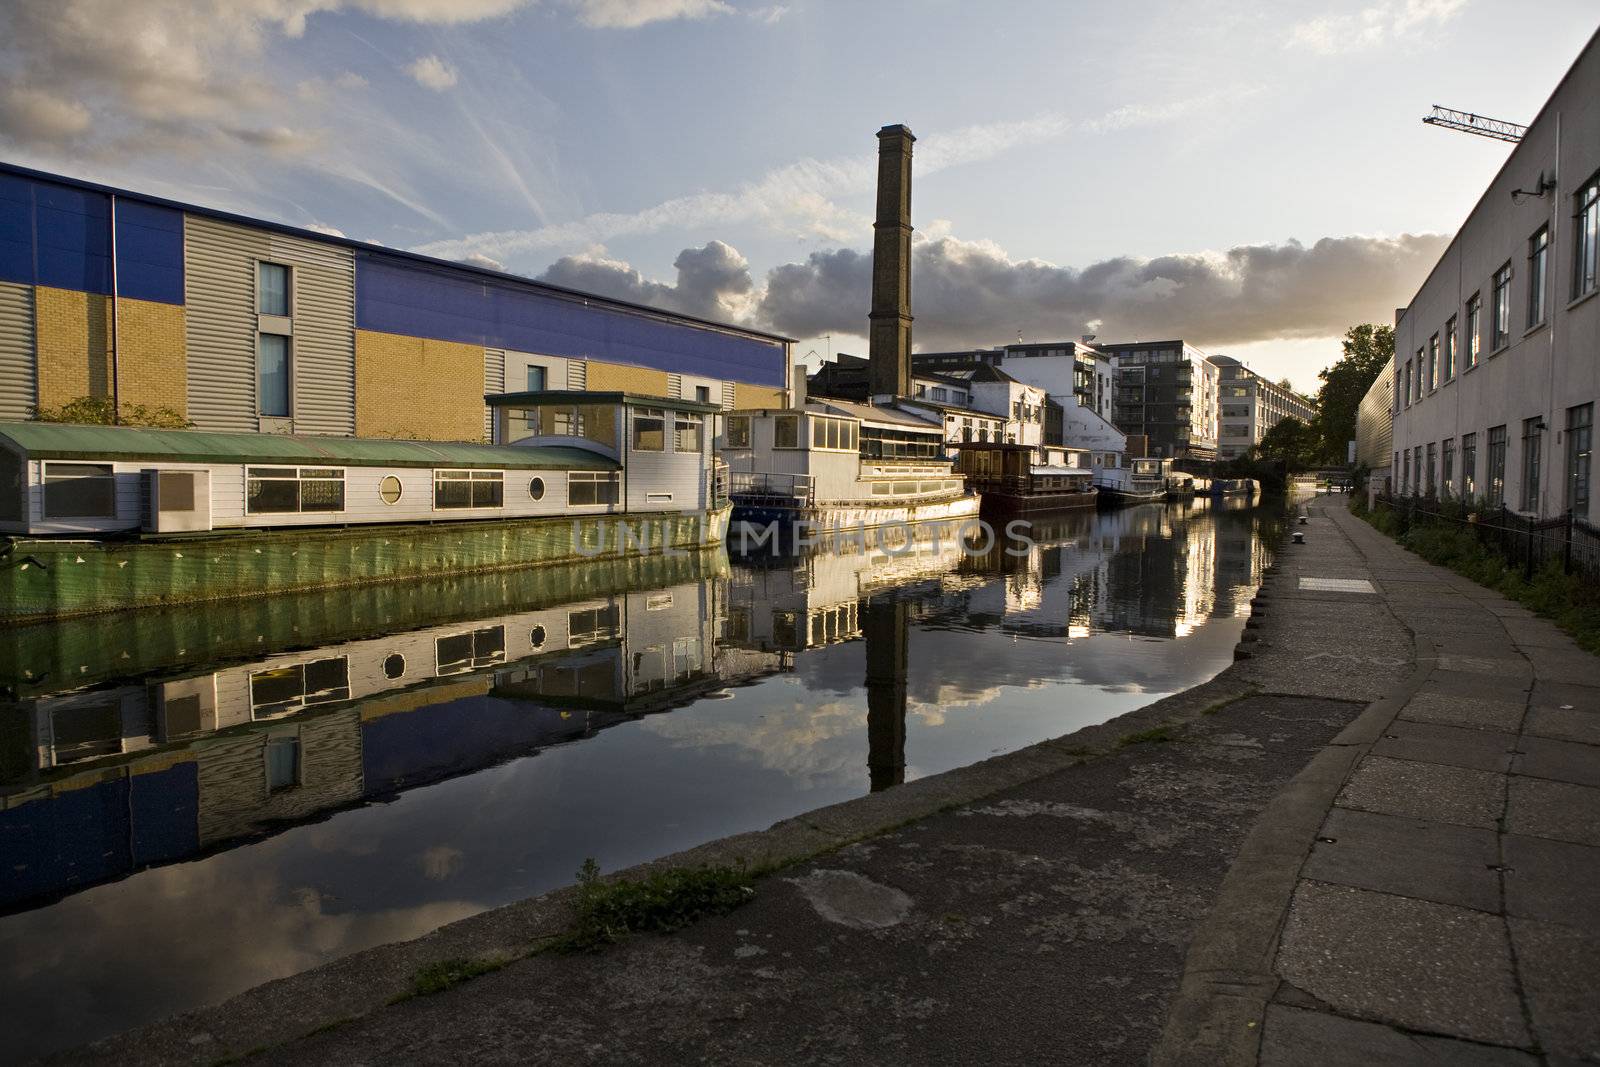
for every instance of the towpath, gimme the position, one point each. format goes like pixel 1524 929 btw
pixel 1374 839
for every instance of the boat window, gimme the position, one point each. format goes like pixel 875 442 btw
pixel 649 430
pixel 819 432
pixel 593 487
pixel 688 430
pixel 536 488
pixel 468 489
pixel 786 431
pixel 738 431
pixel 390 489
pixel 79 491
pixel 285 490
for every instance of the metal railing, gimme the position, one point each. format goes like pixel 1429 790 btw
pixel 799 488
pixel 1523 540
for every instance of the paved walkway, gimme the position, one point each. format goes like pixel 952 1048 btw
pixel 1453 889
pixel 1374 839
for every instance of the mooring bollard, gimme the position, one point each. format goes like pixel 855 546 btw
pixel 1299 538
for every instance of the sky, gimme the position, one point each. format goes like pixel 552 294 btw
pixel 1253 178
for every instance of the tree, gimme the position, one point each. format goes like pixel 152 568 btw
pixel 1368 348
pixel 1291 442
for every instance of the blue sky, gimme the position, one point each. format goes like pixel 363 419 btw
pixel 1249 176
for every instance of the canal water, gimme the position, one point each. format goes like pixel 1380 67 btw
pixel 196 801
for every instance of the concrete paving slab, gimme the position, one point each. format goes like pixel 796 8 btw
pixel 1549 694
pixel 1426 791
pixel 1454 746
pixel 1556 881
pixel 1557 810
pixel 1569 724
pixel 1560 974
pixel 1501 667
pixel 1571 665
pixel 1530 632
pixel 1562 761
pixel 1295 1037
pixel 1408 857
pixel 1412 963
pixel 1472 712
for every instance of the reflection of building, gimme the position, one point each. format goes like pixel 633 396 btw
pixel 104 782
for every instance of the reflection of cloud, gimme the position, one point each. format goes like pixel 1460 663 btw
pixel 156 939
pixel 441 862
pixel 799 740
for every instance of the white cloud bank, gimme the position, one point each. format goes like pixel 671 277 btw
pixel 1372 27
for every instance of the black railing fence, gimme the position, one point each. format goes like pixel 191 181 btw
pixel 1522 540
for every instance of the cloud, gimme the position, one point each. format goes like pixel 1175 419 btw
pixel 431 72
pixel 1372 27
pixel 970 293
pixel 713 281
pixel 631 14
pixel 478 260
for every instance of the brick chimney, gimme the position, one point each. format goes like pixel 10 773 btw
pixel 889 337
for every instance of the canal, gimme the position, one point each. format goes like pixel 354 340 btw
pixel 196 801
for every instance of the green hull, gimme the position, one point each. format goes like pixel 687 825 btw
pixel 52 579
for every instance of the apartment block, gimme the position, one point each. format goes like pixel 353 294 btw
pixel 1248 405
pixel 1166 392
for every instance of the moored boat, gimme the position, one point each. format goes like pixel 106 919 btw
pixel 1142 480
pixel 1013 478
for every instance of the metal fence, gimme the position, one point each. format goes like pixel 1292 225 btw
pixel 1521 539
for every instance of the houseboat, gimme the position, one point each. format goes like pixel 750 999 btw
pixel 100 518
pixel 836 464
pixel 1013 478
pixel 1144 478
pixel 1234 487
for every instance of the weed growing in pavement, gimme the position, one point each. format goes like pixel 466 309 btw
pixel 665 900
pixel 1154 735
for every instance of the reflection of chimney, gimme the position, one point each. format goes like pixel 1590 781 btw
pixel 883 627
pixel 890 332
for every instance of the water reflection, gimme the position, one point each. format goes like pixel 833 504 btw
pixel 209 799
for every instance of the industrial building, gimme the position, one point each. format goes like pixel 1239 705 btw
pixel 238 324
pixel 1495 375
pixel 1249 405
pixel 1166 393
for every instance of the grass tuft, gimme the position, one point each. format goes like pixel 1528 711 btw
pixel 437 977
pixel 1154 735
pixel 667 900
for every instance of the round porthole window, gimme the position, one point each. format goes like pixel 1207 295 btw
pixel 536 489
pixel 389 489
pixel 536 638
pixel 394 665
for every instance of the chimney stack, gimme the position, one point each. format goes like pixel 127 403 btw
pixel 889 336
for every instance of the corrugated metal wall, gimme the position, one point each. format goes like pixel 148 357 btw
pixel 17 359
pixel 494 381
pixel 220 295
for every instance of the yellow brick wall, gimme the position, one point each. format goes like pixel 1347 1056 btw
pixel 72 332
pixel 152 361
pixel 413 387
pixel 756 396
pixel 618 377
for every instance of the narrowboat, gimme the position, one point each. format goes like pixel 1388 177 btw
pixel 836 464
pixel 1233 487
pixel 1013 478
pixel 1143 479
pixel 102 518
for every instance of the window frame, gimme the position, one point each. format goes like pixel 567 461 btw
pixel 1448 367
pixel 108 475
pixel 276 473
pixel 1579 462
pixel 472 477
pixel 288 375
pixel 639 420
pixel 1538 277
pixel 288 288
pixel 737 434
pixel 1532 462
pixel 684 422
pixel 596 479
pixel 1474 331
pixel 791 423
pixel 1500 308
pixel 1586 238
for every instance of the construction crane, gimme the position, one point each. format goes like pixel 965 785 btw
pixel 1467 122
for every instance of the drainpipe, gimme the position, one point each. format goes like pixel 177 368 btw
pixel 116 399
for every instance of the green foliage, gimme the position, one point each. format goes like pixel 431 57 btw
pixel 437 977
pixel 1154 735
pixel 666 900
pixel 1292 443
pixel 1367 350
pixel 100 411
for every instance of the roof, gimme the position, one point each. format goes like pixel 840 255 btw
pixel 367 246
pixel 874 413
pixel 55 440
pixel 923 401
pixel 544 397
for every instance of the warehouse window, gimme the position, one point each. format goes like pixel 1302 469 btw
pixel 272 375
pixel 1469 465
pixel 272 289
pixel 1496 474
pixel 468 489
pixel 1474 330
pixel 1532 441
pixel 593 487
pixel 1447 465
pixel 1586 238
pixel 1500 320
pixel 1448 368
pixel 284 490
pixel 649 430
pixel 79 491
pixel 1538 262
pixel 1580 427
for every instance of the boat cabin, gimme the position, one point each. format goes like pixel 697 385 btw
pixel 72 480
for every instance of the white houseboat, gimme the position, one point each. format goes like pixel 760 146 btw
pixel 836 464
pixel 108 517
